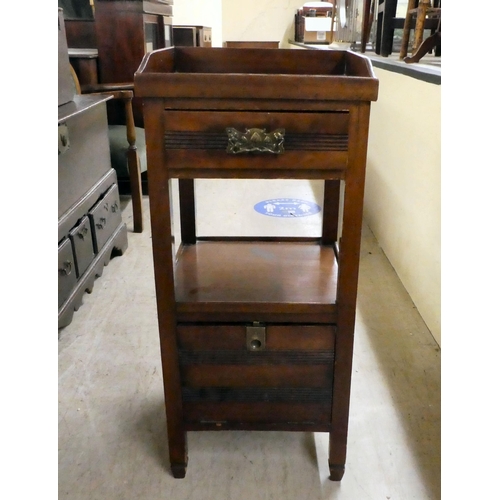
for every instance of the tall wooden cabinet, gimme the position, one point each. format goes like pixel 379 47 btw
pixel 256 333
pixel 126 30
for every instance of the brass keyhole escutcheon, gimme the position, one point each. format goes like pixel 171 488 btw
pixel 255 140
pixel 256 337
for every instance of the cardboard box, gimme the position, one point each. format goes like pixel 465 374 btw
pixel 319 8
pixel 317 30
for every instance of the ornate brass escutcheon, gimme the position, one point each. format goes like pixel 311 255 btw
pixel 255 140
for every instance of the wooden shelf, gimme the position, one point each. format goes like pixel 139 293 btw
pixel 217 278
pixel 269 272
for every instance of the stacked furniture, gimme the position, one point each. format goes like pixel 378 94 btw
pixel 387 23
pixel 192 36
pixel 125 30
pixel 90 227
pixel 106 48
pixel 421 11
pixel 256 333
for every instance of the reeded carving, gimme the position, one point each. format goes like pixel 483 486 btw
pixel 255 140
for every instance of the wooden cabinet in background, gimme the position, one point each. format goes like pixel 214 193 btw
pixel 192 36
pixel 79 23
pixel 125 30
pixel 84 62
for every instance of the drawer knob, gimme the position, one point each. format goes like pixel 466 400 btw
pixel 255 140
pixel 66 269
pixel 63 138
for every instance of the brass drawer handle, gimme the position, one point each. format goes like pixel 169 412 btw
pixel 81 234
pixel 101 223
pixel 255 140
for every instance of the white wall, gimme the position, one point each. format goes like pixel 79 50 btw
pixel 403 186
pixel 241 20
pixel 259 20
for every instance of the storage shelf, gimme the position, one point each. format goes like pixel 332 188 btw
pixel 271 277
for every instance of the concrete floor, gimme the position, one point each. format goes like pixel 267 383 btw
pixel 112 431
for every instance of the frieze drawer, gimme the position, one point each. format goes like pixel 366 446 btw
pixel 255 140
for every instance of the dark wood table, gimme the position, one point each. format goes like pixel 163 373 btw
pixel 84 62
pixel 257 333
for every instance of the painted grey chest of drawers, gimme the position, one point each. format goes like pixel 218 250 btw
pixel 90 226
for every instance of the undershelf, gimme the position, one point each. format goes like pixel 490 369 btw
pixel 217 280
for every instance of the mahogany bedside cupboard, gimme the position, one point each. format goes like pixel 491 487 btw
pixel 256 333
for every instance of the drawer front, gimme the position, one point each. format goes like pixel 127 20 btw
pixel 66 271
pixel 255 373
pixel 205 35
pixel 105 217
pixel 81 237
pixel 86 159
pixel 255 140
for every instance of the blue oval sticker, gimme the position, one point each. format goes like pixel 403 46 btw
pixel 287 207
